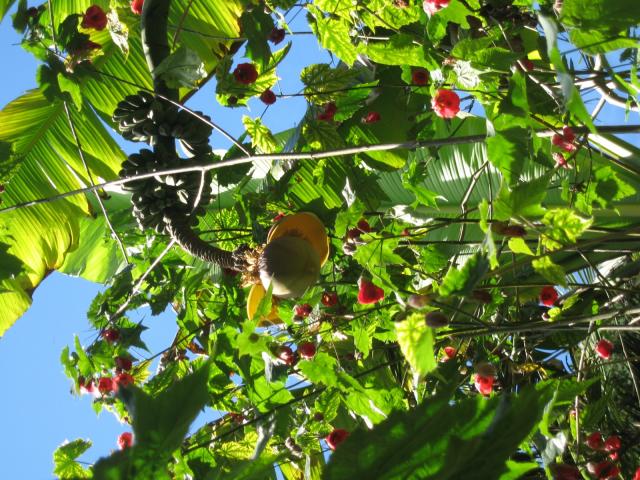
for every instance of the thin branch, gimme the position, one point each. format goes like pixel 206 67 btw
pixel 114 234
pixel 136 288
pixel 409 145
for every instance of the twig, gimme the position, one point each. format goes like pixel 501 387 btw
pixel 114 234
pixel 409 145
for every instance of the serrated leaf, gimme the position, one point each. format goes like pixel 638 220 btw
pixel 320 369
pixel 416 342
pixel 64 459
pixel 524 199
pixel 564 227
pixel 551 271
pixel 261 137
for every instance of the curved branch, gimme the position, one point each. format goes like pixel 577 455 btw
pixel 155 43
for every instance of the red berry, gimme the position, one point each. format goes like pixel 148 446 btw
pixel 566 140
pixel 548 296
pixel 105 385
pixel 371 117
pixel 433 6
pixel 594 441
pixel 368 292
pixel 307 350
pixel 419 76
pixel 450 353
pixel 612 443
pixel 278 217
pixel 125 440
pixel 562 471
pixel 94 18
pixel 561 161
pixel 484 384
pixel 329 299
pixel 111 335
pixel 526 64
pixel 445 103
pixel 302 310
pixel 85 387
pixel 268 97
pixel 330 110
pixel 122 380
pixel 363 226
pixel 606 470
pixel 336 437
pixel 285 354
pixel 604 348
pixel 123 363
pixel 276 35
pixel 136 6
pixel 245 73
pixel 637 474
pixel 236 417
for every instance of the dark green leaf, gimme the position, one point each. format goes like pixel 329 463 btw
pixel 471 439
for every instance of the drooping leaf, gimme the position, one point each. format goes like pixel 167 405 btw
pixel 442 440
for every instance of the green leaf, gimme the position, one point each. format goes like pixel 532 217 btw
pixel 564 227
pixel 551 271
pixel 97 257
pixel 321 369
pixel 64 460
pixel 463 280
pixel 442 440
pixel 525 199
pixel 256 27
pixel 323 83
pixel 10 265
pixel 261 137
pixel 518 245
pixel 5 5
pixel 183 68
pixel 159 423
pixel 377 254
pixel 67 84
pixel 334 35
pixel 604 15
pixel 416 342
pixel 508 151
pixel 399 49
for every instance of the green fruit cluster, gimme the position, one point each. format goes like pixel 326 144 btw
pixel 154 197
pixel 143 116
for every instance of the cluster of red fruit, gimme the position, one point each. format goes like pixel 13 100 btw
pixel 106 385
pixel 305 351
pixel 602 470
pixel 565 142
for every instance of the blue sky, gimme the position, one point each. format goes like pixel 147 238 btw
pixel 37 410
